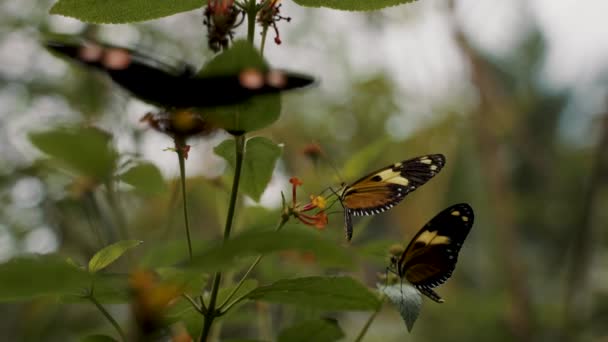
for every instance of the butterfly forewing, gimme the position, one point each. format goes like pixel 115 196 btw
pixel 430 258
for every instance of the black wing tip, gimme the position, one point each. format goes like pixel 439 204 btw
pixel 298 80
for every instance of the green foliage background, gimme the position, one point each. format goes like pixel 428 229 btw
pixel 532 268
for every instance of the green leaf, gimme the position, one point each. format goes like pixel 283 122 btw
pixel 30 277
pixel 352 5
pixel 253 114
pixel 318 330
pixel 121 11
pixel 146 178
pixel 109 254
pixel 189 280
pixel 98 338
pixel 261 156
pixel 225 254
pixel 321 293
pixel 86 151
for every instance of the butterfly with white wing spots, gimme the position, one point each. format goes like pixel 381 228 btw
pixel 431 256
pixel 386 187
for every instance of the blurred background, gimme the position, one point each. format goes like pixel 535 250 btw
pixel 514 93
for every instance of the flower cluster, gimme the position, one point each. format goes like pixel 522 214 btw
pixel 269 15
pixel 319 219
pixel 221 18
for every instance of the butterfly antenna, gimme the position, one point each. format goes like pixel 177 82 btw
pixel 331 164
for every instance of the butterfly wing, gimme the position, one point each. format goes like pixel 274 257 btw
pixel 175 87
pixel 431 256
pixel 386 187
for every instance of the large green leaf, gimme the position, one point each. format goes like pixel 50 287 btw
pixel 253 114
pixel 86 151
pixel 225 254
pixel 261 156
pixel 146 178
pixel 321 293
pixel 352 5
pixel 109 254
pixel 318 330
pixel 29 277
pixel 122 11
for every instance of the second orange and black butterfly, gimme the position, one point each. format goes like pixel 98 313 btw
pixel 386 187
pixel 431 256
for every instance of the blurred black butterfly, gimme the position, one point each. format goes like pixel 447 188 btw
pixel 174 86
pixel 384 188
pixel 430 258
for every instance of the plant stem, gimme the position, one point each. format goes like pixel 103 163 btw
pixel 108 316
pixel 370 320
pixel 180 145
pixel 252 11
pixel 222 307
pixel 212 313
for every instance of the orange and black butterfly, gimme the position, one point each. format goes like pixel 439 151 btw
pixel 430 258
pixel 384 188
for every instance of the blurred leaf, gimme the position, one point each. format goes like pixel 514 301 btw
pixel 98 338
pixel 352 5
pixel 121 11
pixel 261 156
pixel 321 293
pixel 109 254
pixel 376 251
pixel 86 151
pixel 30 277
pixel 189 280
pixel 406 299
pixel 224 254
pixel 253 114
pixel 146 178
pixel 358 164
pixel 318 330
pixel 168 253
pixel 109 288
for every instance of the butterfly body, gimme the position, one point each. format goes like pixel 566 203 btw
pixel 430 258
pixel 170 86
pixel 386 187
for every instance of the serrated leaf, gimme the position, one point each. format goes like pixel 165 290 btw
pixel 109 254
pixel 406 299
pixel 86 151
pixel 318 330
pixel 253 114
pixel 98 338
pixel 321 293
pixel 35 276
pixel 352 5
pixel 225 254
pixel 261 155
pixel 121 11
pixel 146 178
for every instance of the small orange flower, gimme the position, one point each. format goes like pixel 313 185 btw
pixel 320 219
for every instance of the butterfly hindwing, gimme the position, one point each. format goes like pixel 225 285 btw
pixel 170 86
pixel 431 256
pixel 386 187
